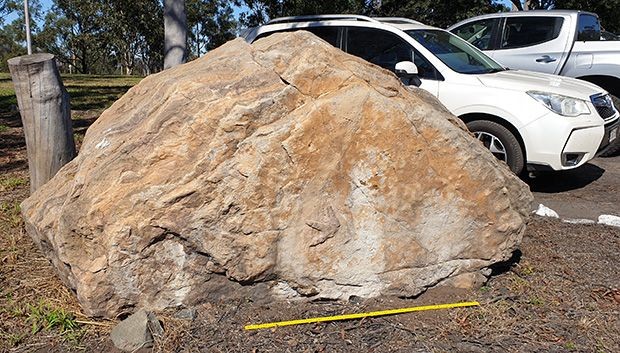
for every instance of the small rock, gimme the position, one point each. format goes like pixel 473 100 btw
pixel 154 325
pixel 578 221
pixel 609 220
pixel 186 314
pixel 354 299
pixel 136 331
pixel 545 211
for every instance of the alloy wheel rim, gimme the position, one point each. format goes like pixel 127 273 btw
pixel 493 144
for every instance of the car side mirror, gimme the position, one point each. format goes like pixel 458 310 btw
pixel 407 71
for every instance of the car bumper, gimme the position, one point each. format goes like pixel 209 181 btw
pixel 612 134
pixel 554 142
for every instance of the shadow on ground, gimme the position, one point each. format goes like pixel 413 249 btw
pixel 553 182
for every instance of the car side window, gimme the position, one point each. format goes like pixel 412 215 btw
pixel 328 34
pixel 386 50
pixel 523 31
pixel 589 28
pixel 478 33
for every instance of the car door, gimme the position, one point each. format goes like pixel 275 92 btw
pixel 534 43
pixel 588 40
pixel 385 49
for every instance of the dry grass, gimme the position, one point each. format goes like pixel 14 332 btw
pixel 31 295
pixel 36 309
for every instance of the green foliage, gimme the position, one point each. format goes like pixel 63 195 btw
pixel 260 11
pixel 126 37
pixel 13 34
pixel 45 316
pixel 134 34
pixel 8 183
pixel 536 301
pixel 11 213
pixel 439 13
pixel 608 10
pixel 3 128
pixel 210 24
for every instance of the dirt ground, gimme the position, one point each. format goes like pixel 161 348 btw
pixel 583 193
pixel 560 293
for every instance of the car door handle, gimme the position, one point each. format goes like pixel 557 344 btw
pixel 545 59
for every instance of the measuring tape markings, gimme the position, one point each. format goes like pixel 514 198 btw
pixel 360 315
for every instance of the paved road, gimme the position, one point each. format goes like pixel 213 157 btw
pixel 585 192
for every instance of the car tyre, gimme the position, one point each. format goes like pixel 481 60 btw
pixel 500 141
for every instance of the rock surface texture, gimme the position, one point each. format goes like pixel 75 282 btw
pixel 286 164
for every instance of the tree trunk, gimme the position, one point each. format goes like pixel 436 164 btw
pixel 46 115
pixel 175 33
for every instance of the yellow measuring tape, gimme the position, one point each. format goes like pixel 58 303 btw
pixel 360 315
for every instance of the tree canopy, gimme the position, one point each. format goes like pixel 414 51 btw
pixel 112 36
pixel 126 37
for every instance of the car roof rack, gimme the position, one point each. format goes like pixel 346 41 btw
pixel 321 18
pixel 397 20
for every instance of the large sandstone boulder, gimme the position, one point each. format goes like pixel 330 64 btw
pixel 287 163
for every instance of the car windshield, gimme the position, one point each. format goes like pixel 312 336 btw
pixel 455 52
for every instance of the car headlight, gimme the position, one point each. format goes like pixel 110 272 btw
pixel 559 104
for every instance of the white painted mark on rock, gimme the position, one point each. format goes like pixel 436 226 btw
pixel 103 144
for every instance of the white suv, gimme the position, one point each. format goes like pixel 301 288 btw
pixel 544 122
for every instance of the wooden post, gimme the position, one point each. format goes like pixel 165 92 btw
pixel 46 115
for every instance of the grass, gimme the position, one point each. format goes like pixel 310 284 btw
pixel 87 92
pixel 11 212
pixel 45 316
pixel 7 94
pixel 8 183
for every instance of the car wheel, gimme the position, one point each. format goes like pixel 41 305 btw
pixel 500 141
pixel 613 149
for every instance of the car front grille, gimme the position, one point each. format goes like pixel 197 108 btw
pixel 604 106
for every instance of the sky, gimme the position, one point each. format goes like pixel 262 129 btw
pixel 48 3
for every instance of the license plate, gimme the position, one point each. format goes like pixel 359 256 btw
pixel 613 135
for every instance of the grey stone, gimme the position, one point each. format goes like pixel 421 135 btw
pixel 186 314
pixel 154 325
pixel 136 331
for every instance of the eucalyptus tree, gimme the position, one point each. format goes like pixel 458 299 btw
pixel 210 23
pixel 439 13
pixel 175 33
pixel 74 32
pixel 260 11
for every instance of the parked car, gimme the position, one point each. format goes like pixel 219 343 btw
pixel 544 122
pixel 567 43
pixel 609 36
